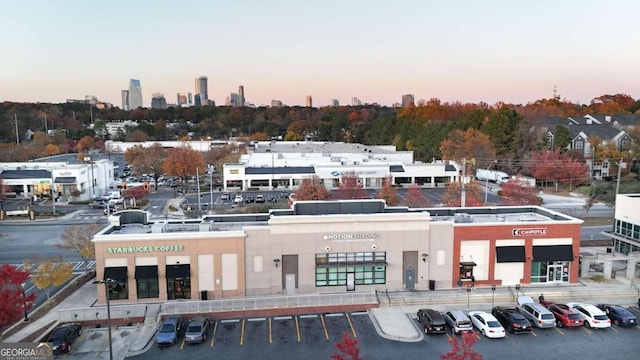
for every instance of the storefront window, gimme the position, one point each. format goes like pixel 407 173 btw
pixel 368 268
pixel 118 290
pixel 147 288
pixel 466 270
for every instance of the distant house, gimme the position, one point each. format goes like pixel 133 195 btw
pixel 610 129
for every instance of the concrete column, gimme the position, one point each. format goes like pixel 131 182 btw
pixel 606 269
pixel 631 268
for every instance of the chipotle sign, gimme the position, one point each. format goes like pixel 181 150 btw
pixel 529 232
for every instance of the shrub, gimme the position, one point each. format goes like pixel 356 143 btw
pixel 598 277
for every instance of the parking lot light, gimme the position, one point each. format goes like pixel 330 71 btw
pixel 106 283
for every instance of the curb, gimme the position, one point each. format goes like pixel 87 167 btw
pixel 418 337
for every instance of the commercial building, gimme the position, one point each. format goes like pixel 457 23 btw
pixel 333 247
pixel 626 231
pixel 72 181
pixel 135 94
pixel 408 100
pixel 125 100
pixel 308 101
pixel 202 88
pixel 284 164
pixel 158 101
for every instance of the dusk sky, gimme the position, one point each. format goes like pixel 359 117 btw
pixel 470 51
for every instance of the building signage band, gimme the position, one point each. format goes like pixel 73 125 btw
pixel 138 249
pixel 529 232
pixel 351 237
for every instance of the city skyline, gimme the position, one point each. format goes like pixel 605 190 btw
pixel 375 51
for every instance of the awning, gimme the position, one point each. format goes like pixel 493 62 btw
pixel 178 271
pixel 147 272
pixel 116 273
pixel 508 254
pixel 65 180
pixel 553 253
pixel 467 263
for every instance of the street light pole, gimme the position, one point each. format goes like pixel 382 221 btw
pixel 106 283
pixel 493 294
pixel 24 301
pixel 468 296
pixel 486 183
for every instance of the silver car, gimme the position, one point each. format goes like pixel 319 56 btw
pixel 197 330
pixel 539 315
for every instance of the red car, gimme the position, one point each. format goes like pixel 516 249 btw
pixel 565 316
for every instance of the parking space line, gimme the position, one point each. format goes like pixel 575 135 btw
pixel 333 314
pixel 533 333
pixel 182 344
pixel 353 330
pixel 560 331
pixel 448 336
pixel 297 329
pixel 324 326
pixel 213 336
pixel 270 336
pixel 242 333
pixel 614 329
pixel 587 330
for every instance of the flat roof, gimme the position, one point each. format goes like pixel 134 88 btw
pixel 320 147
pixel 221 224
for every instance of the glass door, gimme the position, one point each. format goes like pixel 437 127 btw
pixel 555 272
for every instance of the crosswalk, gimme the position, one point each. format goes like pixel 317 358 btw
pixel 78 266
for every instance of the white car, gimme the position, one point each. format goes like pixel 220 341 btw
pixel 593 317
pixel 238 199
pixel 487 324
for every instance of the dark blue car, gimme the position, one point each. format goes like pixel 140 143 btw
pixel 619 316
pixel 168 331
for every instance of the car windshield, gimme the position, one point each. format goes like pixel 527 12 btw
pixel 547 317
pixel 193 329
pixel 601 317
pixel 494 324
pixel 168 328
pixel 517 316
pixel 574 317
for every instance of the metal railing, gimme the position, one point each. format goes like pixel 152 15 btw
pixel 100 313
pixel 635 286
pixel 268 302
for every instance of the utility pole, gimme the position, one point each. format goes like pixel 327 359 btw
pixel 619 174
pixel 463 195
pixel 15 116
pixel 46 126
pixel 198 185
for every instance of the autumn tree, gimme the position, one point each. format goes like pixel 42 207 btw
pixel 350 187
pixel 51 150
pixel 78 238
pixel 517 191
pixel 48 272
pixel 13 304
pixel 312 189
pixel 414 197
pixel 347 348
pixel 137 136
pixel 388 192
pixel 462 347
pixel 470 143
pixel 183 161
pixel 147 160
pixel 557 167
pixel 473 195
pixel 135 193
pixel 86 143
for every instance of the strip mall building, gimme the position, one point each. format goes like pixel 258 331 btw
pixel 334 246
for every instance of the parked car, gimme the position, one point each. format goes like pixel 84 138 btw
pixel 259 199
pixel 224 196
pixel 619 315
pixel 238 199
pixel 432 321
pixel 63 336
pixel 539 315
pixel 249 199
pixel 593 317
pixel 565 316
pixel 197 330
pixel 487 324
pixel 511 319
pixel 110 209
pixel 458 321
pixel 168 331
pixel 98 204
pixel 274 199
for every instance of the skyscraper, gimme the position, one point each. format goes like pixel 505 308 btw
pixel 309 101
pixel 125 100
pixel 135 94
pixel 335 102
pixel 184 99
pixel 276 103
pixel 158 101
pixel 355 101
pixel 408 100
pixel 241 93
pixel 202 88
